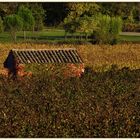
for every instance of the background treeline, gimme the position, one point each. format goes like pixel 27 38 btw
pixel 101 22
pixel 55 13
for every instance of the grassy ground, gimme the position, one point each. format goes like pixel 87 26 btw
pixel 55 35
pixel 42 36
pixel 130 38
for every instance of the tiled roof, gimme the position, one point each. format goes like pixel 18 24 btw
pixel 68 55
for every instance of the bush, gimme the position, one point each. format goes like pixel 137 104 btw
pixel 108 29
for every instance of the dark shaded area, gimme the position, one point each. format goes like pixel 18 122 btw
pixel 55 13
pixel 10 63
pixel 99 104
pixel 58 37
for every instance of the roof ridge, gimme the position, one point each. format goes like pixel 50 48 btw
pixel 44 49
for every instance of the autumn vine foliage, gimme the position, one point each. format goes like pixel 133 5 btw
pixel 73 70
pixel 97 104
pixel 103 102
pixel 21 71
pixel 68 70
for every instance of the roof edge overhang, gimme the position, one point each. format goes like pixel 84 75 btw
pixel 20 55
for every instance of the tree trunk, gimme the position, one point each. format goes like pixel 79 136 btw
pixel 65 35
pixel 72 35
pixel 81 37
pixel 86 36
pixel 37 36
pixel 75 37
pixel 13 35
pixel 24 32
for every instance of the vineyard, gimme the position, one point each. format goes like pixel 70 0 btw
pixel 104 101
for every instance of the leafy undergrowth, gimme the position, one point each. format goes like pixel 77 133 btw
pixel 97 104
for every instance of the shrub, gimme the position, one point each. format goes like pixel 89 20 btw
pixel 108 29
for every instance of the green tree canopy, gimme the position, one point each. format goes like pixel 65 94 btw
pixel 8 8
pixel 108 29
pixel 27 17
pixel 39 15
pixel 124 10
pixel 80 18
pixel 71 27
pixel 87 25
pixel 13 23
pixel 77 10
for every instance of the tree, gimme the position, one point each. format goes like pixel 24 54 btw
pixel 77 10
pixel 27 18
pixel 124 10
pixel 13 23
pixel 70 26
pixel 86 25
pixel 8 8
pixel 136 13
pixel 39 15
pixel 1 25
pixel 79 17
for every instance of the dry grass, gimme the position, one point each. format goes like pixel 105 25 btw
pixel 126 55
pixel 99 57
